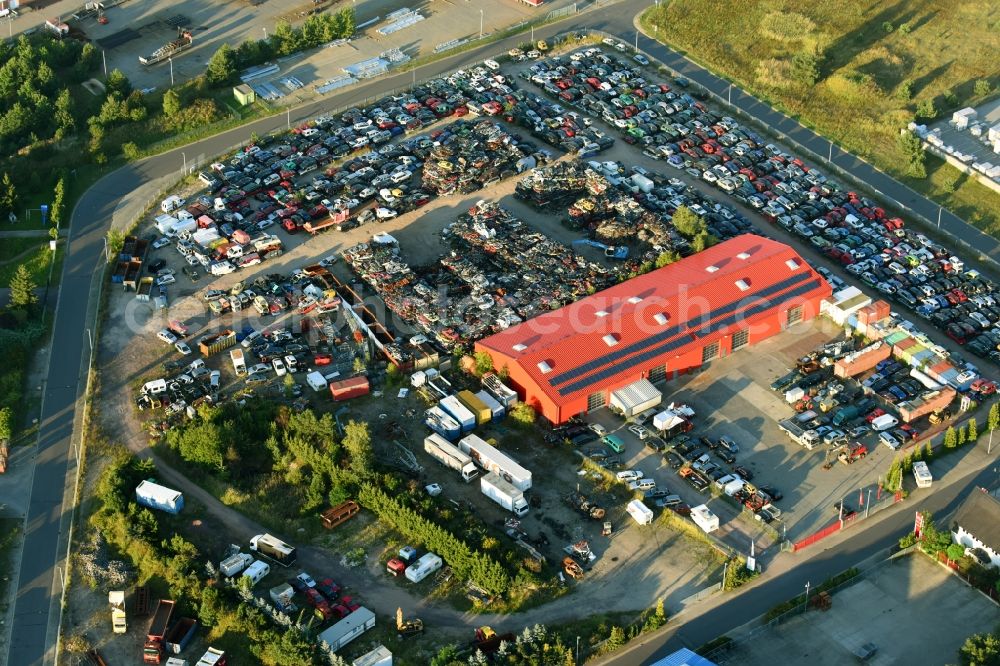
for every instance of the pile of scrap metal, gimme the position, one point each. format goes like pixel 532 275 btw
pixel 496 273
pixel 585 506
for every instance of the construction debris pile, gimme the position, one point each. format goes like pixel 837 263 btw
pixel 467 156
pixel 496 272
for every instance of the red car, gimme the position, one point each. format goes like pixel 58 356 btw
pixel 322 359
pixel 875 414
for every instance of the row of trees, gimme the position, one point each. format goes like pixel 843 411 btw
pixel 464 560
pixel 317 29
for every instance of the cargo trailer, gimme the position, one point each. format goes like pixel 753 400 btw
pixel 503 393
pixel 504 494
pixel 640 513
pixel 496 409
pixel 274 549
pixel 345 389
pixel 440 422
pixel 491 459
pixel 704 518
pixel 482 412
pixel 450 456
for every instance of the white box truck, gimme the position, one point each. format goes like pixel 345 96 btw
pixel 640 513
pixel 423 567
pixel 450 456
pixel 922 474
pixel 492 460
pixel 704 518
pixel 504 494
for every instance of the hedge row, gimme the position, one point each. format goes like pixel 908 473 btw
pixel 481 569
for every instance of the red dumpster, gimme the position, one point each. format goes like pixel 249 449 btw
pixel 346 389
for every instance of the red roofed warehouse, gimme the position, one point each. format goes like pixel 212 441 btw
pixel 658 325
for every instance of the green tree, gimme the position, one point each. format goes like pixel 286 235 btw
pixel 208 609
pixel 288 648
pixel 6 424
pixel 955 552
pixel 950 438
pixel 982 88
pixel 887 27
pixel 616 640
pixel 171 103
pixel 64 119
pixel 980 650
pixel 904 28
pixel 950 98
pixel 928 450
pixel 484 363
pixel 702 241
pixel 904 92
pixel 973 433
pixel 806 66
pixel 961 437
pixel 221 68
pixel 22 289
pixel 445 656
pixel 118 83
pixel 993 420
pixel 687 222
pixel 667 257
pixel 523 414
pixel 357 443
pixel 925 109
pixel 8 194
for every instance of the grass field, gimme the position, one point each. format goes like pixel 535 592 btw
pixel 38 262
pixel 881 60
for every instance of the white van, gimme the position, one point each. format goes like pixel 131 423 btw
pixel 256 572
pixel 884 422
pixel 155 387
pixel 492 64
pixel 642 484
pixel 172 202
pixel 222 268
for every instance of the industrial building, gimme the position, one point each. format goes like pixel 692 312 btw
pixel 667 322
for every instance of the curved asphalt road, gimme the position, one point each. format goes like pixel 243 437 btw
pixel 36 610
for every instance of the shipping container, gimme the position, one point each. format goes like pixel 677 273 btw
pixel 928 403
pixel 862 360
pixel 212 344
pixel 503 393
pixel 476 406
pixel 466 419
pixel 440 422
pixel 639 512
pixel 346 389
pixel 155 496
pixel 346 630
pixel 496 409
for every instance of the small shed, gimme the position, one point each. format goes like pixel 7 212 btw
pixel 244 94
pixel 636 398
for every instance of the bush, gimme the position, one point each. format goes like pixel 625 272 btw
pixel 955 552
pixel 737 574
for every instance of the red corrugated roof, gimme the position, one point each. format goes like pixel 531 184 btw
pixel 659 308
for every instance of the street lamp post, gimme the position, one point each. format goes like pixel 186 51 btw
pixel 637 41
pixel 806 604
pixel 940 210
pixel 480 24
pixel 577 651
pixel 171 61
pixel 104 59
pixel 184 157
pixel 288 118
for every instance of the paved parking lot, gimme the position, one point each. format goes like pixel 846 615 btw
pixel 214 23
pixel 886 608
pixel 732 397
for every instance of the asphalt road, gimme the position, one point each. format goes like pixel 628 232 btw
pixel 750 604
pixel 36 610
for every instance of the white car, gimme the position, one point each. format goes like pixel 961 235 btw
pixel 597 428
pixel 214 378
pixel 641 59
pixel 258 369
pixel 306 579
pixel 328 261
pixel 638 431
pixel 162 241
pixel 629 475
pixel 291 363
pixel 385 213
pixel 165 280
pixel 182 347
pixel 167 336
pixel 279 367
